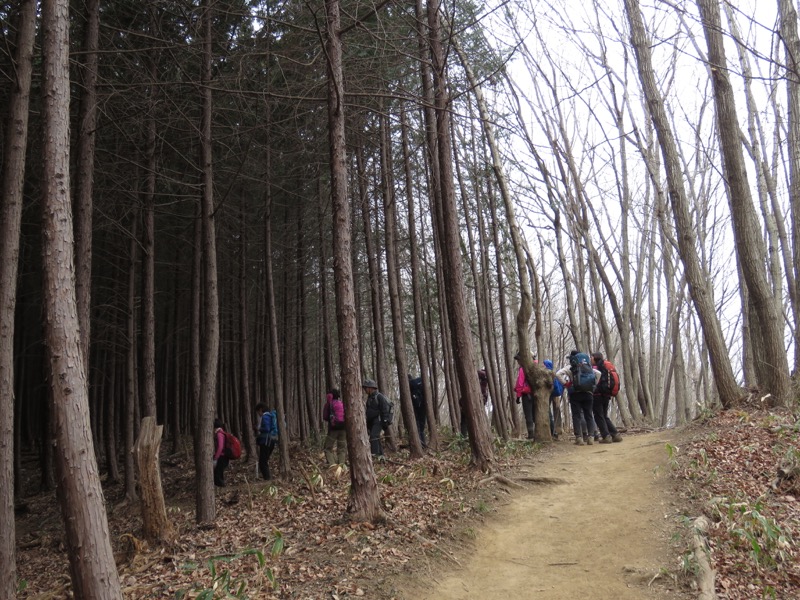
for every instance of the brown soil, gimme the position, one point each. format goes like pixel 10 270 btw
pixel 600 528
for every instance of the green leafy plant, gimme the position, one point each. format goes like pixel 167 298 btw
pixel 224 585
pixel 277 544
pixel 672 455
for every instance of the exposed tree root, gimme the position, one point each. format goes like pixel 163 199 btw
pixel 502 480
pixel 543 480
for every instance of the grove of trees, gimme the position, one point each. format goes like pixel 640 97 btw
pixel 212 203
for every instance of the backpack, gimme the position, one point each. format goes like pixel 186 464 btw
pixel 417 394
pixel 233 447
pixel 336 413
pixel 583 375
pixel 609 379
pixel 389 417
pixel 273 425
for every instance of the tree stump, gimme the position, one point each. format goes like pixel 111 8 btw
pixel 157 528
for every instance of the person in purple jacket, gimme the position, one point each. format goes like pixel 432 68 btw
pixel 333 415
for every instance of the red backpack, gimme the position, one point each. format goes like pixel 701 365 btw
pixel 613 377
pixel 233 447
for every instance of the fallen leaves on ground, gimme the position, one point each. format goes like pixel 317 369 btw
pixel 275 539
pixel 729 471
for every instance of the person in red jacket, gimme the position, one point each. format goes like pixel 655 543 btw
pixel 525 395
pixel 220 459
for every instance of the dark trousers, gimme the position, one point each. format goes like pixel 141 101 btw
pixel 530 413
pixel 219 471
pixel 582 417
pixel 264 452
pixel 600 409
pixel 375 428
pixel 421 418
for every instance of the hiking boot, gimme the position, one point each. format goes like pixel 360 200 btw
pixel 589 441
pixel 616 437
pixel 606 440
pixel 579 441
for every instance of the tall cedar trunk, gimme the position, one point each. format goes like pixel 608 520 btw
pixel 92 568
pixel 13 177
pixel 374 275
pixel 416 275
pixel 84 187
pixel 130 363
pixel 327 350
pixel 772 367
pixel 244 343
pixel 110 400
pixel 791 40
pixel 393 272
pixel 204 498
pixel 274 342
pixel 364 502
pixel 451 253
pixel 698 284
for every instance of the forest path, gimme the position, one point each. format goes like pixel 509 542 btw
pixel 602 532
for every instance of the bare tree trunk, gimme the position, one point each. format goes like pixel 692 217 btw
pixel 416 274
pixel 451 253
pixel 772 367
pixel 84 187
pixel 364 503
pixel 698 285
pixel 130 364
pixel 791 40
pixel 392 269
pixel 204 427
pixel 92 568
pixel 246 410
pixel 13 178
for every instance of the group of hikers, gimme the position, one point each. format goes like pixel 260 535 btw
pixel 589 382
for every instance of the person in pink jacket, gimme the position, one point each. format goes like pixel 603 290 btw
pixel 525 395
pixel 220 459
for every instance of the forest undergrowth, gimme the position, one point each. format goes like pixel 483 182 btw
pixel 280 538
pixel 740 468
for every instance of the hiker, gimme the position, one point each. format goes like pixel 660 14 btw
pixel 378 411
pixel 266 437
pixel 580 379
pixel 525 395
pixel 602 399
pixel 220 458
pixel 555 401
pixel 483 378
pixel 418 402
pixel 333 415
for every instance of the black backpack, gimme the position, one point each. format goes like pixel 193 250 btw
pixel 582 373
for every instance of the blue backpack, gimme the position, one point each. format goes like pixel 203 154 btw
pixel 582 373
pixel 273 425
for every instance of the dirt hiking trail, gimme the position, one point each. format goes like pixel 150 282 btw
pixel 601 532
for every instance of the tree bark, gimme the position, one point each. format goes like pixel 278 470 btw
pixel 204 428
pixel 84 188
pixel 393 271
pixel 13 178
pixel 364 502
pixel 451 253
pixel 92 568
pixel 772 367
pixel 698 285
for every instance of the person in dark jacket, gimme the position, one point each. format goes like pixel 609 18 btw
pixel 418 402
pixel 220 458
pixel 264 441
pixel 601 402
pixel 378 413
